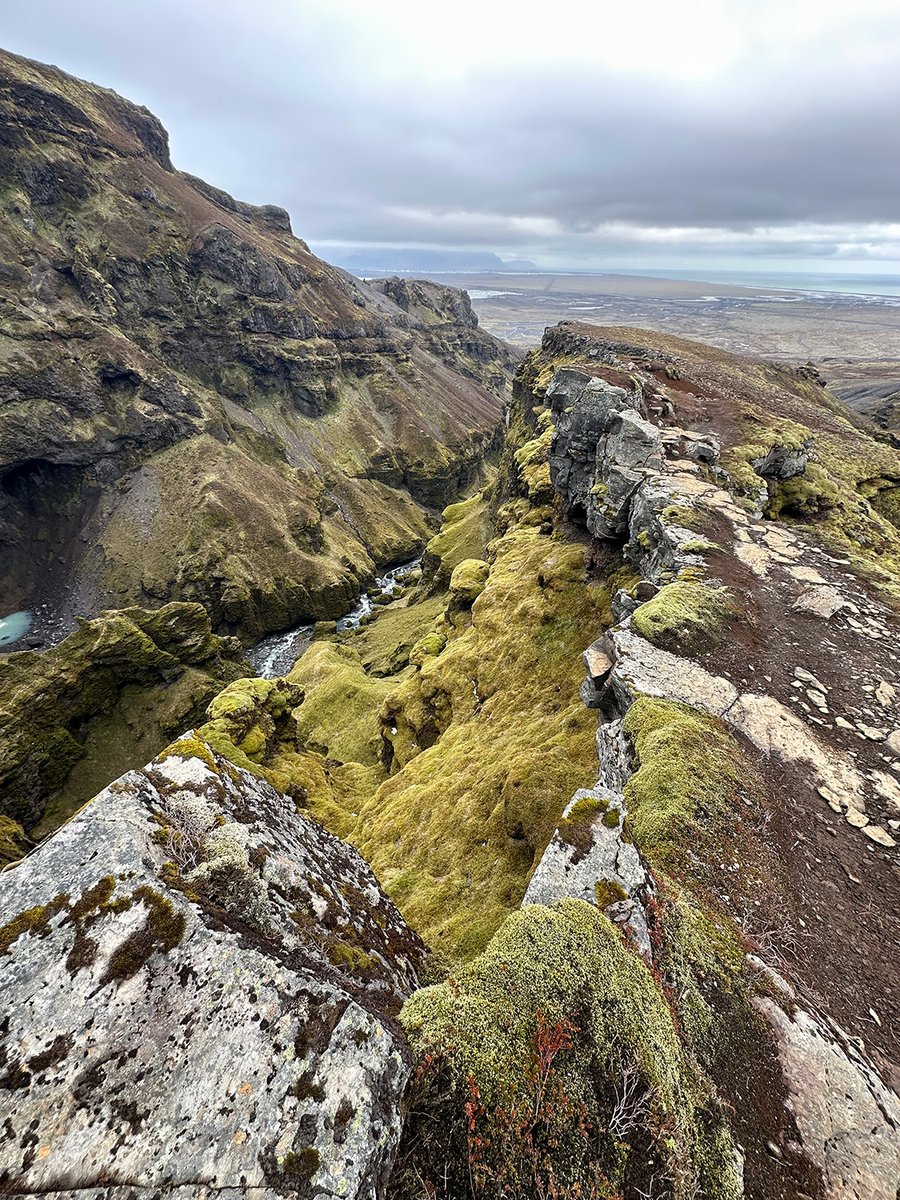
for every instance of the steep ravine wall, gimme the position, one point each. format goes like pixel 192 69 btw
pixel 195 407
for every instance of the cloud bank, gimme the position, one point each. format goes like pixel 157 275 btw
pixel 574 135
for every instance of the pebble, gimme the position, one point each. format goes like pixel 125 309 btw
pixel 885 693
pixel 869 731
pixel 856 818
pixel 808 677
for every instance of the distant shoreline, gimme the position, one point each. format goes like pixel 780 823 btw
pixel 723 283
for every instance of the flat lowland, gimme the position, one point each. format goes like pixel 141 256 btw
pixel 854 340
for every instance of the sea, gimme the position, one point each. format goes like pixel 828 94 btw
pixel 846 284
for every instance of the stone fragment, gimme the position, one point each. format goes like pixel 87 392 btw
pixel 597 661
pixel 822 602
pixel 870 731
pixel 808 677
pixel 893 741
pixel 880 835
pixel 832 798
pixel 885 693
pixel 887 787
pixel 856 818
pixel 806 575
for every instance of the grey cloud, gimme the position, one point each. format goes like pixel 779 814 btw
pixel 307 115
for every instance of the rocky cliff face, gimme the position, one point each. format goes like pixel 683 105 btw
pixel 194 407
pixel 624 753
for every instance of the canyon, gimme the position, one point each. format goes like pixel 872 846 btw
pixel 559 862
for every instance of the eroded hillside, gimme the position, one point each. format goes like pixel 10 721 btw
pixel 194 406
pixel 625 754
pixel 567 870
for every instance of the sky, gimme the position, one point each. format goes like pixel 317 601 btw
pixel 710 133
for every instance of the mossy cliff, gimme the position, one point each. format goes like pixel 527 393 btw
pixel 196 407
pixel 100 703
pixel 450 765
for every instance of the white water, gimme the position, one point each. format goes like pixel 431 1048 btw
pixel 276 654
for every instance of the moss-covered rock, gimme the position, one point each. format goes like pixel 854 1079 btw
pixel 263 429
pixel 685 617
pixel 688 770
pixel 532 1053
pixel 14 842
pixel 102 701
pixel 468 581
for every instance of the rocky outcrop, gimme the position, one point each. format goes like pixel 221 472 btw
pixel 708 560
pixel 198 989
pixel 104 700
pixel 178 368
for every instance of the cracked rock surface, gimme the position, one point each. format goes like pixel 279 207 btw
pixel 199 986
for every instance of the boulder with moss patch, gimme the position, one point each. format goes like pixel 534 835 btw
pixel 199 985
pixel 105 699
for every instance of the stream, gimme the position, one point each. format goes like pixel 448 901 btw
pixel 277 653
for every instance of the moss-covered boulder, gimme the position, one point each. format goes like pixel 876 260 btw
pixel 106 698
pixel 552 1065
pixel 468 581
pixel 684 617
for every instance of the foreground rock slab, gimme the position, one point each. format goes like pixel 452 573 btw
pixel 198 988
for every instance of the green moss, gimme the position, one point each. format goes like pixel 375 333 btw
pixel 350 958
pixel 163 929
pixel 685 617
pixel 532 464
pixel 849 470
pixel 126 681
pixel 427 647
pixel 189 747
pixel 679 514
pixel 301 1166
pixel 609 892
pixel 339 715
pixel 34 921
pixel 564 967
pixel 465 530
pixel 806 495
pixel 689 768
pixel 468 580
pixel 385 645
pixel 14 843
pixel 486 743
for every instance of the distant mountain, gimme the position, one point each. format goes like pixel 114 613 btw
pixel 389 260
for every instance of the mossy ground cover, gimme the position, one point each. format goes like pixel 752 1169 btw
pixel 528 1054
pixel 487 742
pixel 684 617
pixel 688 771
pixel 848 492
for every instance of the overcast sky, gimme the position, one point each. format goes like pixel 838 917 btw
pixel 640 132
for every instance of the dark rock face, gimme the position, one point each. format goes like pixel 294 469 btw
pixel 199 988
pixel 160 338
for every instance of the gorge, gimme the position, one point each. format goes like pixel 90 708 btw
pixel 565 868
